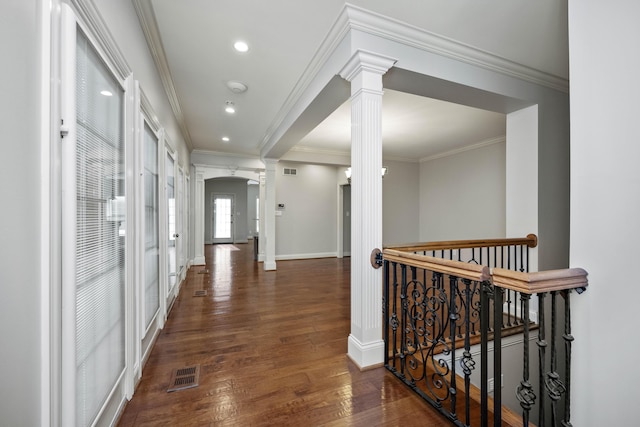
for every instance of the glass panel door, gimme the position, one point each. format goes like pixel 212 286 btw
pixel 151 227
pixel 171 220
pixel 179 223
pixel 99 234
pixel 223 230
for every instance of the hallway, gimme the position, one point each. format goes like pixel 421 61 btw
pixel 272 351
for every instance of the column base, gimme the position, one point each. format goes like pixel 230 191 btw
pixel 268 266
pixel 199 260
pixel 366 355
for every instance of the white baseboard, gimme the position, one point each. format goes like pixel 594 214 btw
pixel 365 355
pixel 199 260
pixel 306 256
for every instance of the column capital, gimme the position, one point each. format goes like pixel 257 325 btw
pixel 270 164
pixel 363 60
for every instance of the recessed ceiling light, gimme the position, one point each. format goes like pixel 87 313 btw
pixel 241 46
pixel 106 93
pixel 230 108
pixel 225 138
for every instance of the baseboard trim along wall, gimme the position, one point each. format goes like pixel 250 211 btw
pixel 306 256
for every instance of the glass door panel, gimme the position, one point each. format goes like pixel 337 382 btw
pixel 223 231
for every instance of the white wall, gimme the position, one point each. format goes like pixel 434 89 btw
pixel 308 224
pixel 605 207
pixel 462 196
pixel 20 176
pixel 400 203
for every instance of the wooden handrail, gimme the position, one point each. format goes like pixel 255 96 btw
pixel 455 268
pixel 543 281
pixel 531 241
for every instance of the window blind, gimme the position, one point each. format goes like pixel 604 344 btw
pixel 152 249
pixel 100 229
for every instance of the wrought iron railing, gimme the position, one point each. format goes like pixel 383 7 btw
pixel 435 309
pixel 511 254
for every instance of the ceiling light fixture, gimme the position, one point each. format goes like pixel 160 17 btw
pixel 347 173
pixel 225 138
pixel 241 46
pixel 230 108
pixel 236 86
pixel 105 93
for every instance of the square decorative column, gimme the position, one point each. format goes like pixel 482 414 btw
pixel 270 214
pixel 365 70
pixel 198 241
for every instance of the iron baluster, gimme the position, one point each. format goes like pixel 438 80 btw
pixel 468 364
pixel 385 311
pixel 453 317
pixel 542 346
pixel 568 339
pixel 486 292
pixel 394 317
pixel 524 391
pixel 403 317
pixel 553 385
pixel 498 294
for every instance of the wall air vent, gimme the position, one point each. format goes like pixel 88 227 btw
pixel 290 171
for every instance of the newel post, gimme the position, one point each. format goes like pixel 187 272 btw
pixel 365 70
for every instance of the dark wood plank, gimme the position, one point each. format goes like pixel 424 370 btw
pixel 272 349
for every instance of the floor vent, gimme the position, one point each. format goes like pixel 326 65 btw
pixel 184 378
pixel 200 293
pixel 205 271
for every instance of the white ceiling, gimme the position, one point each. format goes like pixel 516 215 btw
pixel 197 39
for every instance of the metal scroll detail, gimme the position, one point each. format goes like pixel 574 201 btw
pixel 423 310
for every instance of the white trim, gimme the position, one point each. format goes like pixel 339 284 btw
pixel 400 32
pixel 365 355
pixel 306 256
pixel 147 19
pixel 131 144
pixel 312 150
pixel 481 144
pixel 68 218
pixel 100 36
pixel 49 228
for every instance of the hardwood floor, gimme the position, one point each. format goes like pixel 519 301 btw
pixel 272 351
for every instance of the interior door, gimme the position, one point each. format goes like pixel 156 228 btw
pixel 171 220
pixel 179 223
pixel 223 226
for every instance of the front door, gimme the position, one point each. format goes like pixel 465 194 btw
pixel 223 227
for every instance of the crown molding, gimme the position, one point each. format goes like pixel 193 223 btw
pixel 394 30
pixel 481 144
pixel 149 25
pixel 319 151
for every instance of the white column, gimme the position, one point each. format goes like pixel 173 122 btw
pixel 364 71
pixel 198 241
pixel 270 214
pixel 261 222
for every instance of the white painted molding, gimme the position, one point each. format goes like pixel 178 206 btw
pixel 147 19
pixel 400 32
pixel 365 355
pixel 482 144
pixel 319 151
pixel 286 257
pixel 149 113
pixel 363 60
pixel 98 32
